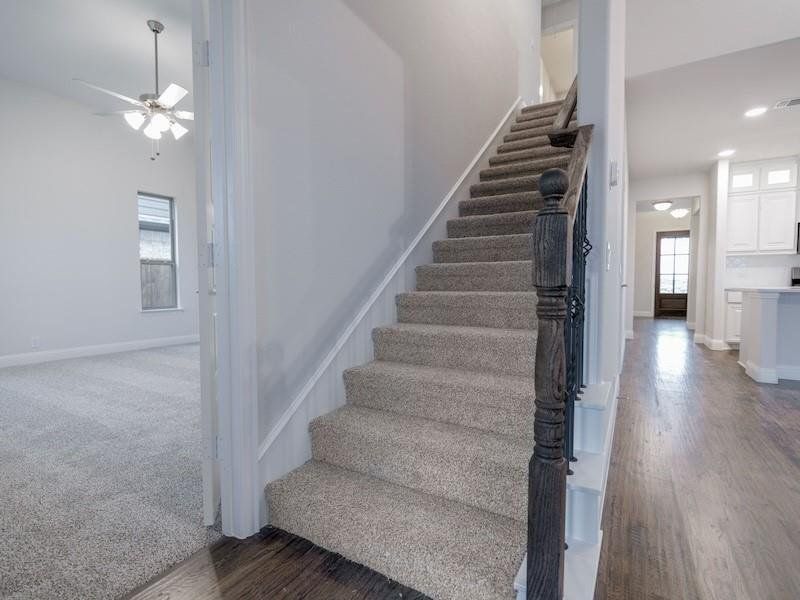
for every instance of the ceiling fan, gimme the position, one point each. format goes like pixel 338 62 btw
pixel 158 109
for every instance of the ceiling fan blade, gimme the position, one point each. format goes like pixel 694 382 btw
pixel 186 115
pixel 171 96
pixel 115 113
pixel 110 93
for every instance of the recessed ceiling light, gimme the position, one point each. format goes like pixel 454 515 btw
pixel 756 112
pixel 679 213
pixel 726 153
pixel 664 205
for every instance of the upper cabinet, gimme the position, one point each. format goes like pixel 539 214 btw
pixel 762 207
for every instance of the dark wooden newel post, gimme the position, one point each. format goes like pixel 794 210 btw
pixel 547 475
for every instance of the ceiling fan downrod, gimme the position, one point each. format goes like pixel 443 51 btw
pixel 156 27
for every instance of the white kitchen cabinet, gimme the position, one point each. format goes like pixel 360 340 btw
pixel 743 212
pixel 733 322
pixel 762 207
pixel 777 218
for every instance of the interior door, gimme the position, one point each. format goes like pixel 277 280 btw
pixel 206 279
pixel 672 273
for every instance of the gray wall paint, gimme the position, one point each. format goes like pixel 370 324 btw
pixel 69 233
pixel 364 114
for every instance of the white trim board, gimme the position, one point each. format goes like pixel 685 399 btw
pixel 32 358
pixel 287 445
pixel 643 314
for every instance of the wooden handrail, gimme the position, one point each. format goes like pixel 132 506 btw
pixel 552 277
pixel 568 107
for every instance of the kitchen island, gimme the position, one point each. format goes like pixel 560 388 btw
pixel 770 340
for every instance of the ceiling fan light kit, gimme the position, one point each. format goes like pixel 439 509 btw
pixel 156 110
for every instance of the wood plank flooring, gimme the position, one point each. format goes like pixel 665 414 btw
pixel 273 564
pixel 703 499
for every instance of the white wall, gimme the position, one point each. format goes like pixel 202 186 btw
pixel 69 231
pixel 648 224
pixel 364 114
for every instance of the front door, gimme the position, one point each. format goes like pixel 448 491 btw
pixel 672 273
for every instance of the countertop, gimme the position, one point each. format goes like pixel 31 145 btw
pixel 780 290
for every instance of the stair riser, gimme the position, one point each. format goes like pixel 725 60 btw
pixel 546 109
pixel 536 142
pixel 520 169
pixel 504 355
pixel 484 484
pixel 526 132
pixel 530 125
pixel 526 155
pixel 505 186
pixel 457 228
pixel 510 279
pixel 535 120
pixel 469 406
pixel 467 315
pixel 444 254
pixel 502 203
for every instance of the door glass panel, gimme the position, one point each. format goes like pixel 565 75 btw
pixel 681 264
pixel 667 246
pixel 667 265
pixel 681 284
pixel 682 245
pixel 666 284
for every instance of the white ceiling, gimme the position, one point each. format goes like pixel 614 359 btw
pixel 666 33
pixel 557 55
pixel 678 119
pixel 47 43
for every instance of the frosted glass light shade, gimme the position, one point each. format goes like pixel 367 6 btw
pixel 134 119
pixel 679 213
pixel 661 206
pixel 160 122
pixel 151 131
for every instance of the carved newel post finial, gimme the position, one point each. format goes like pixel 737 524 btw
pixel 553 185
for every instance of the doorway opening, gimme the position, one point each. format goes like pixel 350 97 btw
pixel 673 250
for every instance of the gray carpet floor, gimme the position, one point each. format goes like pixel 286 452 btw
pixel 100 473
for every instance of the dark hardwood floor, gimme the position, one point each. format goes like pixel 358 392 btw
pixel 272 564
pixel 703 499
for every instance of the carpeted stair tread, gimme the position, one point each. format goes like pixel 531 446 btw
pixel 535 119
pixel 500 310
pixel 544 109
pixel 444 549
pixel 477 468
pixel 528 154
pixel 534 142
pixel 514 183
pixel 502 351
pixel 499 403
pixel 524 126
pixel 498 224
pixel 499 276
pixel 489 248
pixel 501 203
pixel 520 131
pixel 528 167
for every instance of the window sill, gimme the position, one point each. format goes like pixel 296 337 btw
pixel 160 310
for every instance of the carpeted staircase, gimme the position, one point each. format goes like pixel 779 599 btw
pixel 423 474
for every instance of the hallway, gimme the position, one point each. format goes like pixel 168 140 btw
pixel 703 498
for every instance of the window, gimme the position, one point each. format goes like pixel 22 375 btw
pixel 745 180
pixel 674 265
pixel 779 176
pixel 157 252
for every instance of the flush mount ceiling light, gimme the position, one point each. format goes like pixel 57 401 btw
pixel 679 213
pixel 662 205
pixel 157 110
pixel 756 112
pixel 726 153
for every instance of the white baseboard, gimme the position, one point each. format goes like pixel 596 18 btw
pixel 789 372
pixel 690 325
pixel 32 358
pixel 643 314
pixel 287 445
pixel 713 344
pixel 629 335
pixel 699 338
pixel 759 373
